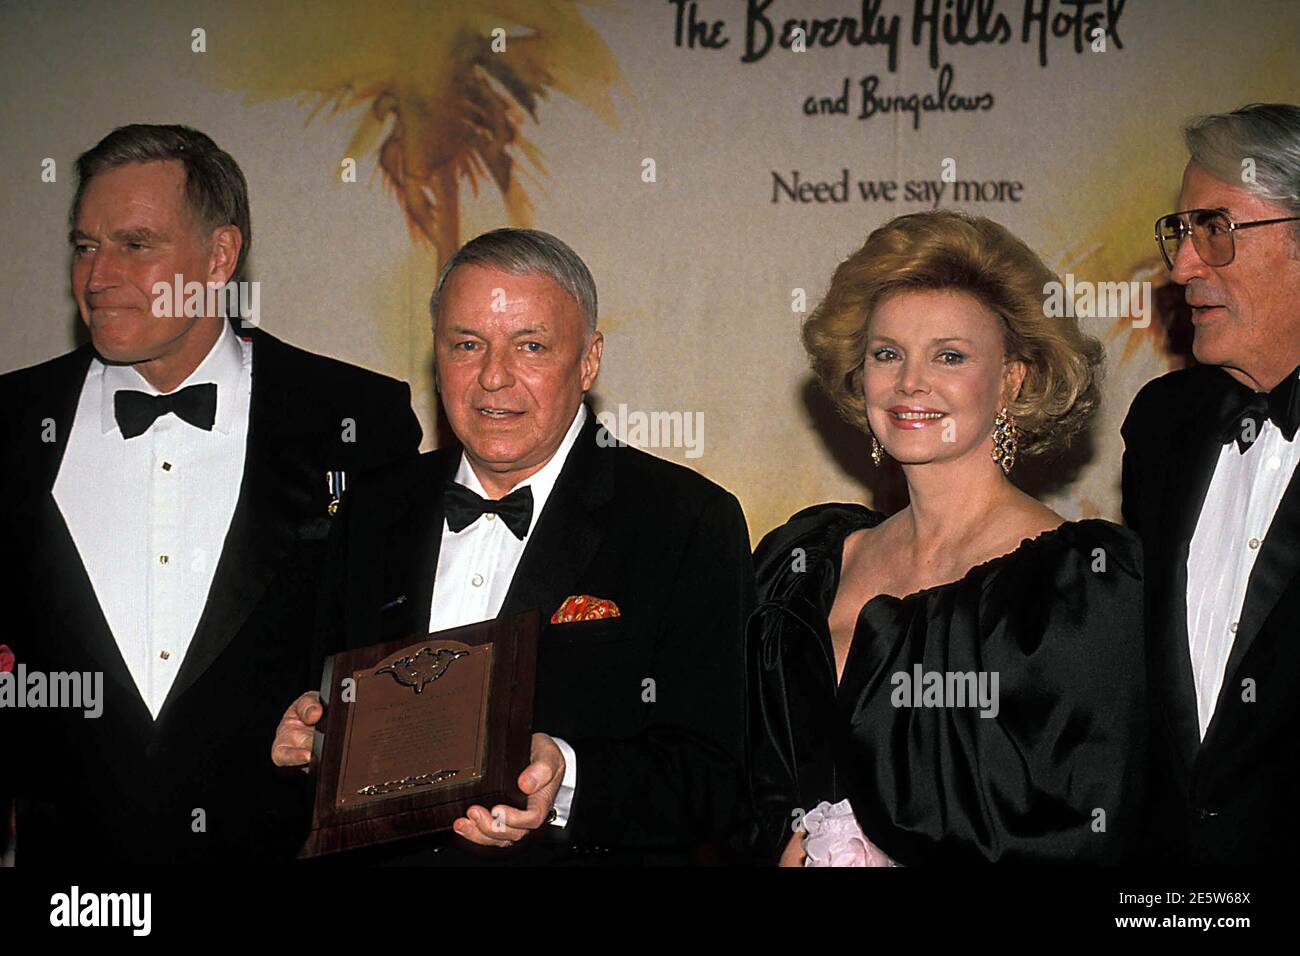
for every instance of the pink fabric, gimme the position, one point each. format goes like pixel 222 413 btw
pixel 832 837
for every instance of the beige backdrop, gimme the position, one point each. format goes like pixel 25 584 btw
pixel 698 270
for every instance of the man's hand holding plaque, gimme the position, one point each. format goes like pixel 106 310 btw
pixel 292 747
pixel 505 825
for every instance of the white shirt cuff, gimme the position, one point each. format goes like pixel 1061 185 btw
pixel 564 797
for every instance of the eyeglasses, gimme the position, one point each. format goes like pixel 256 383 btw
pixel 1211 231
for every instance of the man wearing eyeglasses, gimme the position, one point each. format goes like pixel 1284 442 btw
pixel 1209 484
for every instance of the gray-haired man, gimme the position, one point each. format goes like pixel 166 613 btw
pixel 638 712
pixel 167 499
pixel 1209 483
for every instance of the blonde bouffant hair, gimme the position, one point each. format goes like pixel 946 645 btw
pixel 943 250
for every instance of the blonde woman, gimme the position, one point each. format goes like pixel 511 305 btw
pixel 961 681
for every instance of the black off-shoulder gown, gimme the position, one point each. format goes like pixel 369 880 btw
pixel 1057 776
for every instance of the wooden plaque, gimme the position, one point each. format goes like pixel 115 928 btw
pixel 418 730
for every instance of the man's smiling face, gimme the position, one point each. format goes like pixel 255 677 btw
pixel 514 359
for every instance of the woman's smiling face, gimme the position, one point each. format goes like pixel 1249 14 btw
pixel 935 375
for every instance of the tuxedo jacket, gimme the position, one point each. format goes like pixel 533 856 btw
pixel 1232 798
pixel 125 787
pixel 658 764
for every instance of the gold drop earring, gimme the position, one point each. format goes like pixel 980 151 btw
pixel 876 452
pixel 1006 439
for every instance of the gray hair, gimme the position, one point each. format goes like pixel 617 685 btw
pixel 215 188
pixel 1268 134
pixel 520 252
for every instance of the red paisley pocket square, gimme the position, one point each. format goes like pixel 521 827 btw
pixel 584 607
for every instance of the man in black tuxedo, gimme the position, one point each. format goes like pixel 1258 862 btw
pixel 1209 483
pixel 638 713
pixel 167 494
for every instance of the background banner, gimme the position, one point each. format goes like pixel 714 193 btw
pixel 711 160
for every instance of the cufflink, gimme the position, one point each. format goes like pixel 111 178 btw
pixel 551 817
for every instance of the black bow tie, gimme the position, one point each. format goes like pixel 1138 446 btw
pixel 1245 411
pixel 463 507
pixel 137 411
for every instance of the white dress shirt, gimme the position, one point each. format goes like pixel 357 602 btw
pixel 1239 506
pixel 149 514
pixel 477 564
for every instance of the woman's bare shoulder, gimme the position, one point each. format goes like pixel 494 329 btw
pixel 865 541
pixel 1028 518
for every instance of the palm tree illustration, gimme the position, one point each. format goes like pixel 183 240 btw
pixel 451 83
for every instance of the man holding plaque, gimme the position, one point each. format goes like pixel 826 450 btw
pixel 640 569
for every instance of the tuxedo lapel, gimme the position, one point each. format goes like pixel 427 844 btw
pixel 426 520
pixel 1195 455
pixel 274 497
pixel 1275 568
pixel 566 536
pixel 67 378
pixel 64 590
pixel 62 585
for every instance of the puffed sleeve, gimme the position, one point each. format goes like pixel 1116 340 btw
pixel 790 680
pixel 1044 759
